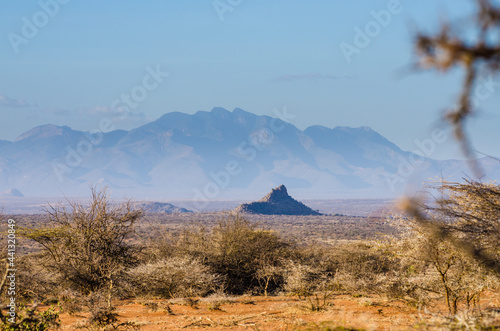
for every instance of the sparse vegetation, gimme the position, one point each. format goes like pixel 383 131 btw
pixel 176 276
pixel 439 263
pixel 200 265
pixel 87 248
pixel 237 251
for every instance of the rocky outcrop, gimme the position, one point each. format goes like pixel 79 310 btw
pixel 12 193
pixel 277 202
pixel 161 207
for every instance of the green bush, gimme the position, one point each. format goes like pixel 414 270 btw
pixel 30 319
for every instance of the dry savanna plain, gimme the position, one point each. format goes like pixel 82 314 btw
pixel 352 269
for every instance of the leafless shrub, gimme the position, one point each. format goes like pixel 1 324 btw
pixel 267 275
pixel 362 268
pixel 437 267
pixel 467 217
pixel 219 297
pixel 103 316
pixel 468 214
pixel 71 301
pixel 236 249
pixel 174 277
pixel 38 283
pixel 26 318
pixel 319 272
pixel 471 210
pixel 88 246
pixel 301 279
pixel 461 321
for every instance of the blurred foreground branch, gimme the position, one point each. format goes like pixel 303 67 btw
pixel 475 53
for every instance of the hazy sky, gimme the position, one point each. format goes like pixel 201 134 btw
pixel 70 62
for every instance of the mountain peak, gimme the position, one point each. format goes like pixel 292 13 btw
pixel 13 192
pixel 277 202
pixel 43 131
pixel 277 194
pixel 220 110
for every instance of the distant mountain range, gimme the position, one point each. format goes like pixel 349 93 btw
pixel 216 155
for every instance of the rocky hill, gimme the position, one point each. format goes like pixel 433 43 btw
pixel 277 202
pixel 12 193
pixel 161 207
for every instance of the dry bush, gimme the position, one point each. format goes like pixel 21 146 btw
pixel 476 49
pixel 320 272
pixel 452 245
pixel 362 267
pixel 461 321
pixel 173 277
pixel 269 275
pixel 88 246
pixel 435 268
pixel 238 251
pixel 25 318
pixel 301 279
pixel 215 300
pixel 345 268
pixel 471 210
pixel 310 283
pixel 71 301
pixel 38 284
pixel 103 316
pixel 468 216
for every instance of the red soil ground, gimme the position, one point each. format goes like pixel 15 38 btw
pixel 269 313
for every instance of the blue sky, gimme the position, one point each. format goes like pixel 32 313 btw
pixel 260 56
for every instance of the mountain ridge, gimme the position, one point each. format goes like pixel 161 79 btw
pixel 216 154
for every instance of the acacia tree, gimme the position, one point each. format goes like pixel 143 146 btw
pixel 432 266
pixel 88 246
pixel 472 212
